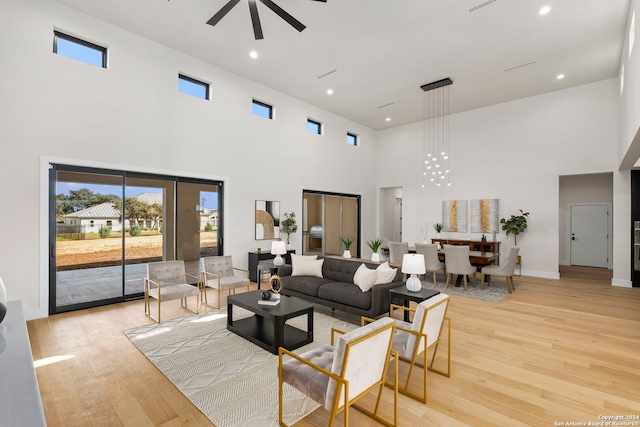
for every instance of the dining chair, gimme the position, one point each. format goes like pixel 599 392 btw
pixel 413 340
pixel 506 269
pixel 456 260
pixel 338 375
pixel 397 250
pixel 219 273
pixel 167 280
pixel 431 261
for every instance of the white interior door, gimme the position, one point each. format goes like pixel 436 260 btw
pixel 397 221
pixel 590 235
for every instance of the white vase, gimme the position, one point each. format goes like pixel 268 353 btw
pixel 437 235
pixel 375 257
pixel 346 254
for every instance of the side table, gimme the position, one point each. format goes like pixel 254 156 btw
pixel 267 266
pixel 402 293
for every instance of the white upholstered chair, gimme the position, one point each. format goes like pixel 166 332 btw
pixel 167 280
pixel 219 273
pixel 413 340
pixel 338 375
pixel 506 269
pixel 396 251
pixel 431 261
pixel 456 260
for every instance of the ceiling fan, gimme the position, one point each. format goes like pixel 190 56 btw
pixel 255 19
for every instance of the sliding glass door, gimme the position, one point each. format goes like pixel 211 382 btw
pixel 106 226
pixel 328 217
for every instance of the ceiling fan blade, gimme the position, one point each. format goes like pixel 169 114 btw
pixel 284 15
pixel 222 12
pixel 255 20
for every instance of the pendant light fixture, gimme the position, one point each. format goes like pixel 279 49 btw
pixel 435 130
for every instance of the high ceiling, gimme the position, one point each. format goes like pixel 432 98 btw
pixel 384 50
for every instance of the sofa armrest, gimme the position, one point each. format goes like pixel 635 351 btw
pixel 380 299
pixel 284 270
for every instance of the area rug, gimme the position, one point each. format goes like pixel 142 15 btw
pixel 232 381
pixel 494 293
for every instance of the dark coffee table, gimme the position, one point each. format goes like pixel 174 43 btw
pixel 267 328
pixel 402 293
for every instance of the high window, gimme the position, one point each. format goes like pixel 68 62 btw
pixel 261 109
pixel 314 126
pixel 82 50
pixel 352 139
pixel 193 87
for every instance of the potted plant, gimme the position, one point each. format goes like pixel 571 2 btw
pixel 374 245
pixel 289 225
pixel 438 227
pixel 515 225
pixel 346 241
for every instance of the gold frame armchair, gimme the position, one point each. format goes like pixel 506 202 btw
pixel 413 340
pixel 218 273
pixel 338 376
pixel 167 280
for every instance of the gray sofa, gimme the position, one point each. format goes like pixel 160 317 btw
pixel 337 290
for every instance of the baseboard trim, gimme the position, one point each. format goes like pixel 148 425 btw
pixel 542 274
pixel 622 283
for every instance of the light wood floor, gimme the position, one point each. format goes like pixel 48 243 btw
pixel 553 351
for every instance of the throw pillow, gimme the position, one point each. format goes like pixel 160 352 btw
pixel 385 274
pixel 364 278
pixel 295 257
pixel 307 267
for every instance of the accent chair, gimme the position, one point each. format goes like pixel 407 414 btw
pixel 167 280
pixel 412 340
pixel 219 273
pixel 338 375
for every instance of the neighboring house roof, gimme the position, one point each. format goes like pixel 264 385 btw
pixel 103 210
pixel 212 213
pixel 149 198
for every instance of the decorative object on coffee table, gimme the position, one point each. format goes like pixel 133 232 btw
pixel 275 284
pixel 413 264
pixel 374 245
pixel 278 248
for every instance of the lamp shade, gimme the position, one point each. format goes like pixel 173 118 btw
pixel 413 264
pixel 279 247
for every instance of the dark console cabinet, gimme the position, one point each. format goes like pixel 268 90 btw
pixel 255 258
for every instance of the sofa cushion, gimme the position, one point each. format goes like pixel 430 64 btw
pixel 365 278
pixel 345 293
pixel 385 274
pixel 304 284
pixel 339 270
pixel 307 267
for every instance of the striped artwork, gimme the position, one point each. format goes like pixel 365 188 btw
pixel 454 216
pixel 484 215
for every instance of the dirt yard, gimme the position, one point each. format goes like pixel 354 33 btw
pixel 103 252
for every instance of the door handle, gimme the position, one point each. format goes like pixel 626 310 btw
pixel 573 236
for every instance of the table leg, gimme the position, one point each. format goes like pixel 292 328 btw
pixel 278 333
pixel 310 324
pixel 406 312
pixel 229 314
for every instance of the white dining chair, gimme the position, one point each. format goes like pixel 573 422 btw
pixel 396 251
pixel 505 269
pixel 431 261
pixel 456 260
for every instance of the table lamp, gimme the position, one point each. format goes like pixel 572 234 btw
pixel 278 248
pixel 413 264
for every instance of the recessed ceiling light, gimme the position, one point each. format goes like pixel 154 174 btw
pixel 388 119
pixel 545 10
pixel 329 91
pixel 253 54
pixel 560 76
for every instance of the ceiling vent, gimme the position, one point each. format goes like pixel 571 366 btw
pixel 481 5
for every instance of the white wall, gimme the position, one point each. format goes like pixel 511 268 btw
pixel 131 116
pixel 514 152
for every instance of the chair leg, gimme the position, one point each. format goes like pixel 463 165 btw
pixel 435 283
pixel 446 285
pixel 482 276
pixel 464 278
